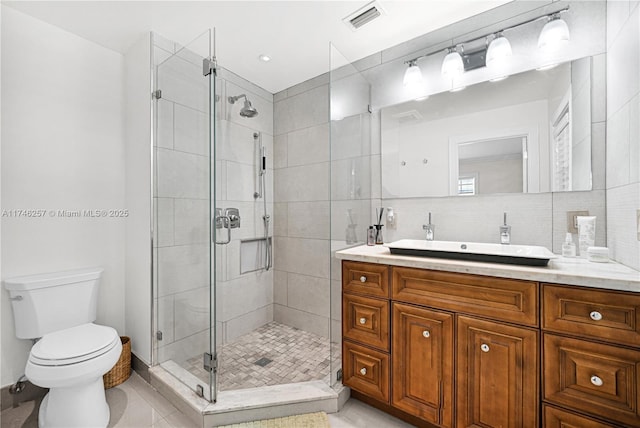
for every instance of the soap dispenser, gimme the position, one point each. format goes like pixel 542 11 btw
pixel 505 232
pixel 568 248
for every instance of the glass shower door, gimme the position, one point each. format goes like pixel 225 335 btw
pixel 184 205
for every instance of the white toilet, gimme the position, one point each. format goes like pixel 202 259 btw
pixel 72 354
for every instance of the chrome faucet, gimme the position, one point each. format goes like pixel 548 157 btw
pixel 505 232
pixel 429 229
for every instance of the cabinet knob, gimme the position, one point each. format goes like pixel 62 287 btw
pixel 363 278
pixel 595 315
pixel 363 320
pixel 484 347
pixel 426 333
pixel 595 380
pixel 363 371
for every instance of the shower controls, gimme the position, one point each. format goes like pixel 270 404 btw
pixel 229 220
pixel 234 217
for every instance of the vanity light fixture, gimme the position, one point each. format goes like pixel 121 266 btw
pixel 452 65
pixel 413 74
pixel 553 35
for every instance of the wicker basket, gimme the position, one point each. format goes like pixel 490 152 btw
pixel 122 370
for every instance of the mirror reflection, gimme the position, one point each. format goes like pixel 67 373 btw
pixel 529 133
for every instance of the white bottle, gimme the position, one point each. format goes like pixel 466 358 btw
pixel 568 248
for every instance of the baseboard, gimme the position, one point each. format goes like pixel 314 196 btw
pixel 140 367
pixel 30 392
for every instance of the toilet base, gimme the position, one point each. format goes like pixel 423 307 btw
pixel 81 406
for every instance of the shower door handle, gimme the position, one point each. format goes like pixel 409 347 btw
pixel 220 222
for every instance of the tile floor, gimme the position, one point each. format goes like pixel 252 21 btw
pixel 135 404
pixel 287 354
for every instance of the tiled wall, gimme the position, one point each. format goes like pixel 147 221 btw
pixel 623 131
pixel 243 302
pixel 301 225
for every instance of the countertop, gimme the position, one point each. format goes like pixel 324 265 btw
pixel 562 270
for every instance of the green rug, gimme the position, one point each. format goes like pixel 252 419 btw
pixel 308 420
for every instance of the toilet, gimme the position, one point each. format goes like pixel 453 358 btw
pixel 72 353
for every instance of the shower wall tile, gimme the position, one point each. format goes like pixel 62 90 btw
pixel 623 62
pixel 280 151
pixel 302 183
pixel 191 312
pixel 165 124
pixel 622 205
pixel 245 84
pixel 598 155
pixel 247 322
pixel 280 286
pixel 308 294
pixel 347 139
pixel 599 88
pixel 191 221
pixel 163 222
pixel 634 139
pixel 302 256
pixel 303 320
pixel 280 221
pixel 280 96
pixel 182 268
pixel 241 182
pixel 191 131
pixel 166 318
pixel 308 146
pixel 182 82
pixel 618 151
pixel 247 293
pixel 302 110
pixel 361 216
pixel 182 175
pixel 351 179
pixel 308 220
pixel 308 85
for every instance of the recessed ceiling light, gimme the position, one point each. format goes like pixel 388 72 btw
pixel 264 58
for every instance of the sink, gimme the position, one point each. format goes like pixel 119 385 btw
pixel 528 255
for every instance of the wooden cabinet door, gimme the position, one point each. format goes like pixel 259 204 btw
pixel 558 418
pixel 422 363
pixel 497 375
pixel 366 370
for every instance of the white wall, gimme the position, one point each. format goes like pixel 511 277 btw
pixel 63 148
pixel 623 130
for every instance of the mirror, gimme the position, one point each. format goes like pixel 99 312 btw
pixel 529 133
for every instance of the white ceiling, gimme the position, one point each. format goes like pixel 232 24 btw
pixel 296 34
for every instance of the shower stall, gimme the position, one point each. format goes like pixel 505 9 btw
pixel 224 244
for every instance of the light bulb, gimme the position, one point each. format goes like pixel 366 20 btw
pixel 452 65
pixel 498 52
pixel 554 34
pixel 413 75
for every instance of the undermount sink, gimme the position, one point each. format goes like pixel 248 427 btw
pixel 529 255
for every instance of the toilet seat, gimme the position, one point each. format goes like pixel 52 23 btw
pixel 73 345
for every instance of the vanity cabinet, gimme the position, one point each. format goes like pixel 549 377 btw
pixel 463 350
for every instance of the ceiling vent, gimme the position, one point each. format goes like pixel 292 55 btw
pixel 364 15
pixel 407 116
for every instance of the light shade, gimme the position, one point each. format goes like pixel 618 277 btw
pixel 498 52
pixel 413 75
pixel 452 65
pixel 554 34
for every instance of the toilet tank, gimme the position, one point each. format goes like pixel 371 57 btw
pixel 53 301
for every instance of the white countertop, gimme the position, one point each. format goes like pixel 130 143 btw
pixel 562 270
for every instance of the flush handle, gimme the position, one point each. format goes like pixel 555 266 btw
pixel 595 315
pixel 596 381
pixel 363 278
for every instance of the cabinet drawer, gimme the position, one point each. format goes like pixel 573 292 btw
pixel 558 418
pixel 365 278
pixel 605 315
pixel 594 378
pixel 499 298
pixel 366 370
pixel 366 320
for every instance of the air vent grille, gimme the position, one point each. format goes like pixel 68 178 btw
pixel 364 15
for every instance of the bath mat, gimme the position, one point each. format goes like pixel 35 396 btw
pixel 308 420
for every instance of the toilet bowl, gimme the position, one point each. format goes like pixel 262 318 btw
pixel 71 354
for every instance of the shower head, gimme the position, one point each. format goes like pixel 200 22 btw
pixel 247 110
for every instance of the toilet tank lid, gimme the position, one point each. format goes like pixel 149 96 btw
pixel 32 282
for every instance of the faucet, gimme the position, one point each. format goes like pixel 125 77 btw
pixel 429 229
pixel 505 232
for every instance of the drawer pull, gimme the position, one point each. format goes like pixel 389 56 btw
pixel 595 380
pixel 484 347
pixel 426 333
pixel 363 278
pixel 595 315
pixel 363 320
pixel 363 371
